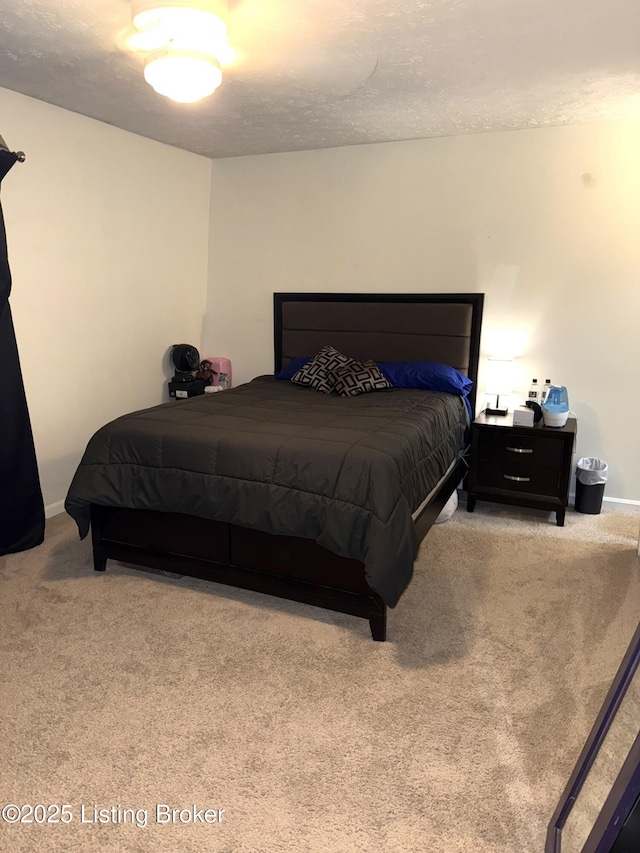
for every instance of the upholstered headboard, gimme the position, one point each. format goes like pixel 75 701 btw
pixel 442 327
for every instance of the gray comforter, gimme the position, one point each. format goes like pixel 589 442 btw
pixel 282 458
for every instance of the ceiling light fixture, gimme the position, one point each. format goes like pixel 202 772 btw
pixel 187 40
pixel 182 75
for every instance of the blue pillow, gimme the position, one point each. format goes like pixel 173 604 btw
pixel 293 367
pixel 428 375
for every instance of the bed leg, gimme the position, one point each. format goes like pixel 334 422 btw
pixel 99 553
pixel 378 625
pixel 99 560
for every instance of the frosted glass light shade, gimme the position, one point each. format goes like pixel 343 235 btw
pixel 185 76
pixel 179 18
pixel 187 40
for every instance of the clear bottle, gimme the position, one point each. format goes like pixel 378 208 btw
pixel 545 390
pixel 534 392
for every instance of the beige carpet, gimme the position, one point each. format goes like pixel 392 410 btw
pixel 130 690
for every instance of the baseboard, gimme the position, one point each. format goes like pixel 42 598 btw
pixel 54 509
pixel 621 503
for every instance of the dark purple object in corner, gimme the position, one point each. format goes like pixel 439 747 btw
pixel 21 505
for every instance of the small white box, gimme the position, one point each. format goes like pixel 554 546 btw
pixel 523 416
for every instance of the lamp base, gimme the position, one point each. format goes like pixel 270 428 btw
pixel 499 412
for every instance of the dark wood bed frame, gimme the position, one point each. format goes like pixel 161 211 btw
pixel 288 566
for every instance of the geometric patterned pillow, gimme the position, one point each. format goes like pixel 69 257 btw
pixel 318 373
pixel 359 377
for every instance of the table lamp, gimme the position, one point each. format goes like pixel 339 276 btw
pixel 499 383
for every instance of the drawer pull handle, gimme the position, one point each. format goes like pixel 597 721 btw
pixel 520 449
pixel 517 479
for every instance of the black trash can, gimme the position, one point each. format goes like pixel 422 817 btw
pixel 591 478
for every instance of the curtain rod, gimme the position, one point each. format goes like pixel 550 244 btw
pixel 20 155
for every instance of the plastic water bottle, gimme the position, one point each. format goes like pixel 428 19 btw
pixel 545 390
pixel 534 392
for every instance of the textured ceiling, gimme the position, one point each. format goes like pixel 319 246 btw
pixel 319 73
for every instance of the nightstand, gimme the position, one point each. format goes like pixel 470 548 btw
pixel 522 466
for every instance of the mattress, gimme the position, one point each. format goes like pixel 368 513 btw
pixel 282 458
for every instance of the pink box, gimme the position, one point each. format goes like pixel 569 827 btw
pixel 221 365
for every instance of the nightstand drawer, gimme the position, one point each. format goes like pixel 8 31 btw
pixel 518 478
pixel 525 450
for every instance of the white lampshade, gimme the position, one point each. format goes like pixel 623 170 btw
pixel 500 376
pixel 182 75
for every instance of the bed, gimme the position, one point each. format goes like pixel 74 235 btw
pixel 277 488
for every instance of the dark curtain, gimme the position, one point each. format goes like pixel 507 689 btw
pixel 21 506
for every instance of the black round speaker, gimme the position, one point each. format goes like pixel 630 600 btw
pixel 186 359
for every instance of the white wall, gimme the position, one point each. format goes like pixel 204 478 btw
pixel 545 222
pixel 108 246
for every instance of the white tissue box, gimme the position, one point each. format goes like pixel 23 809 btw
pixel 523 416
